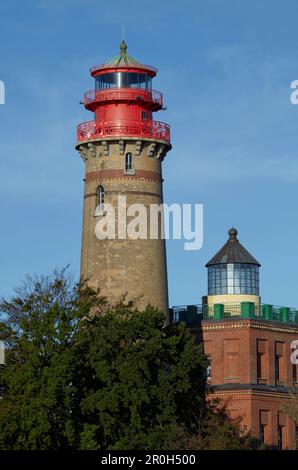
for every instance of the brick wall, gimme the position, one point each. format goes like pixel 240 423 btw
pixel 245 381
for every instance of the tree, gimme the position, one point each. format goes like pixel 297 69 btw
pixel 82 374
pixel 291 406
pixel 145 379
pixel 218 432
pixel 40 404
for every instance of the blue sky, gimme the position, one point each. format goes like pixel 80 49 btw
pixel 225 69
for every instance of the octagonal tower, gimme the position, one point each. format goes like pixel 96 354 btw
pixel 123 149
pixel 233 274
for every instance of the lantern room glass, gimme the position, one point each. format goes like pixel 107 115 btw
pixel 123 80
pixel 233 278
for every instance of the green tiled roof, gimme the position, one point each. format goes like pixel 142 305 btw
pixel 123 59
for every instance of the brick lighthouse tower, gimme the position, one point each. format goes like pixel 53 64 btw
pixel 123 149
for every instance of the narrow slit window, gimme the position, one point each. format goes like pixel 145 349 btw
pixel 277 368
pixel 280 435
pixel 209 369
pixel 100 197
pixel 261 361
pixel 262 433
pixel 279 362
pixel 128 162
pixel 295 374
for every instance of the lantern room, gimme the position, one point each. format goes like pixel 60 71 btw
pixel 233 272
pixel 123 79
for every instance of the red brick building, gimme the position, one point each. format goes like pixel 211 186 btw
pixel 249 346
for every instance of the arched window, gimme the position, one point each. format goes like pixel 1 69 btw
pixel 128 162
pixel 100 199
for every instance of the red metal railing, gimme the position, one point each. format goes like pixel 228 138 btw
pixel 150 129
pixel 119 94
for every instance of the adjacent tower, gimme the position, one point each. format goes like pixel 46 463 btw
pixel 123 149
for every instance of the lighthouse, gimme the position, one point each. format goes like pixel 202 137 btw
pixel 123 148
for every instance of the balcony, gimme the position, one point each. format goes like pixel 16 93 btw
pixel 192 314
pixel 154 130
pixel 152 98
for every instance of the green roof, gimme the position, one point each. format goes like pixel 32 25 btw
pixel 123 59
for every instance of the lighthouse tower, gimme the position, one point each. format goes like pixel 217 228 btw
pixel 123 149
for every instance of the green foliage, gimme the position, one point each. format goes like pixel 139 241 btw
pixel 217 432
pixel 40 405
pixel 290 406
pixel 81 374
pixel 143 379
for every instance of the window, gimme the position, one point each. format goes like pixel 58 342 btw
pixel 233 278
pixel 261 361
pixel 262 433
pixel 208 369
pixel 277 368
pixel 263 426
pixel 123 80
pixel 280 432
pixel 295 374
pixel 279 363
pixel 260 367
pixel 128 162
pixel 100 198
pixel 144 115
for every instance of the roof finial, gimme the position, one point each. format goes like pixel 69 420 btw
pixel 123 47
pixel 233 233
